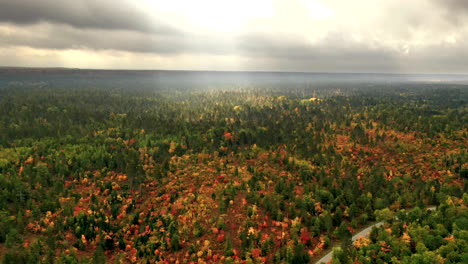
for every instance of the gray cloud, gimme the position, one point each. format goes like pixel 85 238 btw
pixel 335 44
pixel 280 46
pixel 456 5
pixel 85 14
pixel 49 36
pixel 442 57
pixel 455 11
pixel 52 36
pixel 392 40
pixel 336 52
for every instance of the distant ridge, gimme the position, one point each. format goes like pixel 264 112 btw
pixel 60 69
pixel 239 76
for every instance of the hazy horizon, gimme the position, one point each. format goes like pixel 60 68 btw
pixel 6 67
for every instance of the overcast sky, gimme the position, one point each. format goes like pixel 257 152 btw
pixel 412 36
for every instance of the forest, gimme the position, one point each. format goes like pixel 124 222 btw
pixel 130 174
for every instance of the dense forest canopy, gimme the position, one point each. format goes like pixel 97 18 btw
pixel 135 168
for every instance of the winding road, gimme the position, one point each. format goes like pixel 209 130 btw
pixel 364 233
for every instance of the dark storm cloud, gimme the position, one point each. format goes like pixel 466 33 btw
pixel 85 14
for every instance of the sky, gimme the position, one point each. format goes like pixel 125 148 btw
pixel 388 36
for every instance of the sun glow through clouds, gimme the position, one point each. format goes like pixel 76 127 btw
pixel 318 10
pixel 217 15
